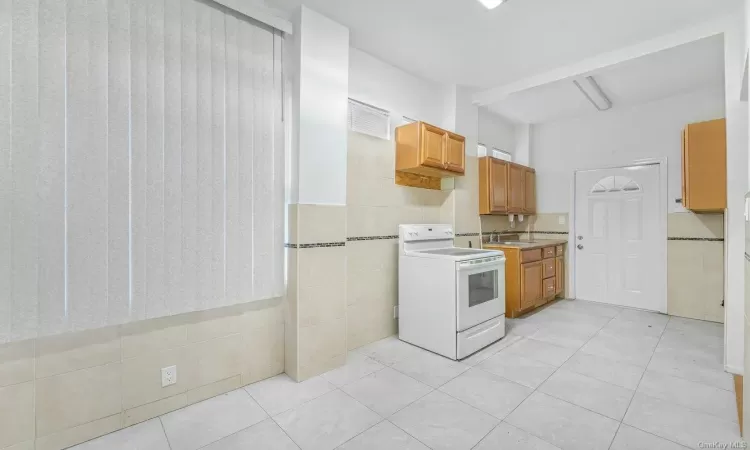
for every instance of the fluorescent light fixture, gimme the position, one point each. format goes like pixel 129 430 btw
pixel 491 4
pixel 591 89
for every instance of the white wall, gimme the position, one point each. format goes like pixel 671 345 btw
pixel 319 65
pixel 379 84
pixel 616 137
pixel 737 183
pixel 495 131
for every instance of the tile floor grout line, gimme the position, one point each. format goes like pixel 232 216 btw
pixel 164 430
pixel 385 419
pixel 635 391
pixel 267 414
pixel 554 372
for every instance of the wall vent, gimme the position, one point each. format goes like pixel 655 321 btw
pixel 369 120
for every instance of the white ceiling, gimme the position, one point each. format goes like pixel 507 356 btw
pixel 461 42
pixel 692 66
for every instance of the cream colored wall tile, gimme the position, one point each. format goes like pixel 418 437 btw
pixel 74 351
pixel 262 353
pixel 16 414
pixel 320 345
pixel 320 366
pixel 695 279
pixel 321 223
pixel 369 322
pixel 494 223
pixel 370 287
pixel 448 209
pixel 212 361
pixel 16 362
pixel 212 390
pixel 209 325
pixel 468 242
pixel 367 221
pixel 75 398
pixel 86 432
pixel 153 336
pixel 368 155
pixel 319 303
pixel 291 355
pixel 688 224
pixel 141 377
pixel 321 287
pixel 28 445
pixel 549 222
pixel 268 315
pixel 149 411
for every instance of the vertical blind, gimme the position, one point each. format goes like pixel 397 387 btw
pixel 141 162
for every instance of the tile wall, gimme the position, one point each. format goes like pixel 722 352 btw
pixel 59 391
pixel 376 206
pixel 316 290
pixel 695 266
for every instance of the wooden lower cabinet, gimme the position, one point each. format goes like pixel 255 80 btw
pixel 560 275
pixel 530 280
pixel 531 285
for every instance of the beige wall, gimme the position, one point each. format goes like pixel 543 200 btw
pixel 59 391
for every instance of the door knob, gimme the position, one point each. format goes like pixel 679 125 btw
pixel 580 247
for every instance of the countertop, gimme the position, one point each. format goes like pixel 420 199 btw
pixel 525 245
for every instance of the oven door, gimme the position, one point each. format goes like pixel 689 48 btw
pixel 480 291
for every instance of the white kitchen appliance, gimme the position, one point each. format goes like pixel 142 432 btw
pixel 451 300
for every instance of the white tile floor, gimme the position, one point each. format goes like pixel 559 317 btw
pixel 574 376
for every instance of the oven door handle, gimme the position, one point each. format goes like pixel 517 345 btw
pixel 465 267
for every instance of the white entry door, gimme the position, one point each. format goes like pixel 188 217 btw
pixel 617 237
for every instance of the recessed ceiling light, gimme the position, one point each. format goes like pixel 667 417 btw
pixel 491 4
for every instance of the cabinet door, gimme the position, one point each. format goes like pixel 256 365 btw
pixel 498 186
pixel 559 275
pixel 705 166
pixel 548 268
pixel 531 284
pixel 432 146
pixel 530 192
pixel 455 153
pixel 516 189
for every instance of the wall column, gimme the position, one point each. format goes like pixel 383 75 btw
pixel 318 78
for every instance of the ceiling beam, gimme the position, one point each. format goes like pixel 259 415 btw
pixel 603 60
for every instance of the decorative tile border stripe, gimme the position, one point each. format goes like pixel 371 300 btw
pixel 548 232
pixel 371 238
pixel 695 239
pixel 466 234
pixel 316 245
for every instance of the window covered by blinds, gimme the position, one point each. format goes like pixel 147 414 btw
pixel 141 162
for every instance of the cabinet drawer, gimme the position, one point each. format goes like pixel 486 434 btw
pixel 559 250
pixel 548 252
pixel 550 288
pixel 531 255
pixel 548 268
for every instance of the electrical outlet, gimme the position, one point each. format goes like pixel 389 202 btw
pixel 561 220
pixel 395 312
pixel 168 376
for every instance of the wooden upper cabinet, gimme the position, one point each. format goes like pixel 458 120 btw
pixel 704 166
pixel 432 148
pixel 505 187
pixel 517 189
pixel 455 153
pixel 427 150
pixel 531 284
pixel 493 186
pixel 529 192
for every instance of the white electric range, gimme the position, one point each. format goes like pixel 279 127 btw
pixel 451 300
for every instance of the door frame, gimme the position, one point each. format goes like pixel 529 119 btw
pixel 661 251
